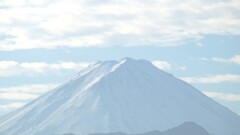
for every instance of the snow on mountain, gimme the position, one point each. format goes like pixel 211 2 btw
pixel 130 96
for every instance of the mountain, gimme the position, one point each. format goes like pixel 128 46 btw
pixel 187 128
pixel 130 96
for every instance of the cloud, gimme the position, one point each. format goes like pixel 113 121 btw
pixel 16 96
pixel 234 78
pixel 182 68
pixel 233 60
pixel 164 65
pixel 24 92
pixel 13 68
pixel 33 88
pixel 11 106
pixel 47 24
pixel 223 96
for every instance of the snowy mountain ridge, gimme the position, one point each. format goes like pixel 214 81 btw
pixel 130 96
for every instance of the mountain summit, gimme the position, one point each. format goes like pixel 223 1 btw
pixel 130 96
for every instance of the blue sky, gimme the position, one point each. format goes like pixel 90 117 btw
pixel 43 43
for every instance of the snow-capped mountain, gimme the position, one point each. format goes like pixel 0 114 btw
pixel 130 96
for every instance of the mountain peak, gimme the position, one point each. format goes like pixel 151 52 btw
pixel 127 63
pixel 127 59
pixel 133 60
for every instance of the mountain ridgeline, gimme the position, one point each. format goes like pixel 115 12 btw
pixel 187 128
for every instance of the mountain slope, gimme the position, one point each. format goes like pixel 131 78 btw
pixel 130 96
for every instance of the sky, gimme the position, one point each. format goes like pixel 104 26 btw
pixel 45 42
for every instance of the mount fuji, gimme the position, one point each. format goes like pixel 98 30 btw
pixel 129 96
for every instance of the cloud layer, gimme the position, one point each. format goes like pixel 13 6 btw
pixel 50 24
pixel 7 107
pixel 164 65
pixel 223 96
pixel 235 78
pixel 24 92
pixel 17 96
pixel 14 68
pixel 233 60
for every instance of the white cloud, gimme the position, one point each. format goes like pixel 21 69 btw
pixel 235 60
pixel 33 88
pixel 232 60
pixel 16 96
pixel 24 92
pixel 223 96
pixel 162 65
pixel 13 68
pixel 182 68
pixel 213 79
pixel 10 106
pixel 69 23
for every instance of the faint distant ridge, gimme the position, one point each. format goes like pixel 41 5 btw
pixel 187 128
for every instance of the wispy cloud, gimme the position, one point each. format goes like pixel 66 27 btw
pixel 213 79
pixel 233 60
pixel 17 96
pixel 162 64
pixel 10 106
pixel 69 23
pixel 14 68
pixel 223 96
pixel 24 92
